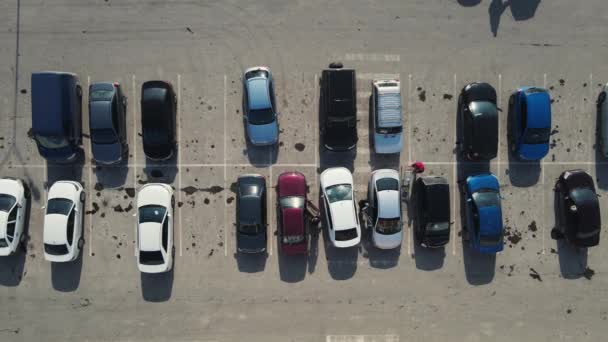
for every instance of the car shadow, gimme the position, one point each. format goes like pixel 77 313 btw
pixel 12 267
pixel 479 268
pixel 251 263
pixel 261 156
pixel 157 287
pixel 112 176
pixel 59 172
pixel 341 262
pixel 572 259
pixel 601 162
pixel 469 3
pixel 314 231
pixel 379 161
pixel 292 268
pixel 65 276
pixel 523 9
pixel 161 171
pixel 428 259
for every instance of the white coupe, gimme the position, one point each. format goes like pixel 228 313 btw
pixel 63 222
pixel 339 204
pixel 13 203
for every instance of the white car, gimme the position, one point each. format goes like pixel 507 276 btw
pixel 155 249
pixel 13 204
pixel 339 204
pixel 63 222
pixel 383 212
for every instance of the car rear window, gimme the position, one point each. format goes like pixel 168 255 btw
pixel 537 136
pixel 55 249
pixel 59 206
pixel 101 95
pixel 6 202
pixel 151 258
pixel 486 198
pixel 346 234
pixel 151 213
pixel 490 240
pixel 387 184
pixel 339 192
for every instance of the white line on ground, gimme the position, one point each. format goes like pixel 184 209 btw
pixel 226 225
pixel 90 172
pixel 591 103
pixel 544 80
pixel 542 182
pixel 45 180
pixel 499 106
pixel 134 149
pixel 269 209
pixel 315 121
pixel 179 159
pixel 454 187
pixel 409 119
pixel 372 57
pixel 362 338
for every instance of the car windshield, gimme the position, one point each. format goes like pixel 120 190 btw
pixel 152 213
pixel 537 136
pixel 6 202
pixel 55 249
pixel 384 184
pixel 389 130
pixel 293 239
pixel 261 116
pixel 49 141
pixel 249 229
pixel 60 206
pixel 339 192
pixel 437 227
pixel 101 95
pixel 3 243
pixel 346 234
pixel 103 136
pixel 490 240
pixel 292 202
pixel 155 136
pixel 486 198
pixel 388 226
pixel 151 258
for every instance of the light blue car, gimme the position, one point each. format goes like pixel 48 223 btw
pixel 260 107
pixel 386 109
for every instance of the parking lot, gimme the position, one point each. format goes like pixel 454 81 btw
pixel 534 290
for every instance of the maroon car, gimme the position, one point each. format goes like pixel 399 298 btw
pixel 291 189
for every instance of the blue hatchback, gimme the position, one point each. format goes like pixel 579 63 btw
pixel 260 107
pixel 530 123
pixel 483 214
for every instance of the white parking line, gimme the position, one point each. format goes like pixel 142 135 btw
pixel 409 119
pixel 499 135
pixel 362 338
pixel 226 225
pixel 269 209
pixel 90 171
pixel 179 159
pixel 591 103
pixel 315 121
pixel 542 182
pixel 372 57
pixel 134 149
pixel 454 173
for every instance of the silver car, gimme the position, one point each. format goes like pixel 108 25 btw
pixel 260 106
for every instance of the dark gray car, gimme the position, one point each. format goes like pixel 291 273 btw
pixel 251 214
pixel 107 123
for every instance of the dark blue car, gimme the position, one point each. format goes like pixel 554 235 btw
pixel 107 123
pixel 530 123
pixel 484 228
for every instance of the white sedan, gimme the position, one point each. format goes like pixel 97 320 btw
pixel 63 222
pixel 383 213
pixel 13 203
pixel 339 204
pixel 155 203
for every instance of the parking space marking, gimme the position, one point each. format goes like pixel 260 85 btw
pixel 90 171
pixel 179 159
pixel 542 182
pixel 269 208
pixel 591 103
pixel 409 118
pixel 362 338
pixel 315 121
pixel 545 80
pixel 454 172
pixel 226 226
pixel 134 149
pixel 372 57
pixel 499 135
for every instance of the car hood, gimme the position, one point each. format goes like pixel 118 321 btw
pixel 255 242
pixel 263 134
pixel 388 143
pixel 293 221
pixel 383 241
pixel 107 153
pixel 533 151
pixel 490 220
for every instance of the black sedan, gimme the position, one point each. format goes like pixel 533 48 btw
pixel 578 209
pixel 432 206
pixel 107 123
pixel 251 214
pixel 478 117
pixel 158 112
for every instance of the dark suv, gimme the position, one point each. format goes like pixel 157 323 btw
pixel 339 109
pixel 107 123
pixel 478 117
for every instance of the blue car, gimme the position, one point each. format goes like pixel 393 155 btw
pixel 530 123
pixel 484 228
pixel 260 107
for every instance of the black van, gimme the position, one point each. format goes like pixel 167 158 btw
pixel 339 101
pixel 57 115
pixel 432 207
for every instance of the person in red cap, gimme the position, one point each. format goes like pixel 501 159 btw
pixel 418 167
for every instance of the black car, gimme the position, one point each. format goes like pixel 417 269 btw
pixel 251 214
pixel 158 112
pixel 478 117
pixel 578 209
pixel 339 101
pixel 432 207
pixel 107 123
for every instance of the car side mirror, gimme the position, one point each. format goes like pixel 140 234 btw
pixel 75 209
pixel 43 207
pixel 19 206
pixel 134 214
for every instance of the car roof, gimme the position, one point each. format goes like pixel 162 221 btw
pixel 293 222
pixel 250 209
pixel 258 92
pixel 149 236
pixel 50 99
pixel 389 204
pixel 490 220
pixel 100 114
pixel 539 109
pixel 436 197
pixel 389 107
pixel 55 228
pixel 292 184
pixel 340 85
pixel 343 215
